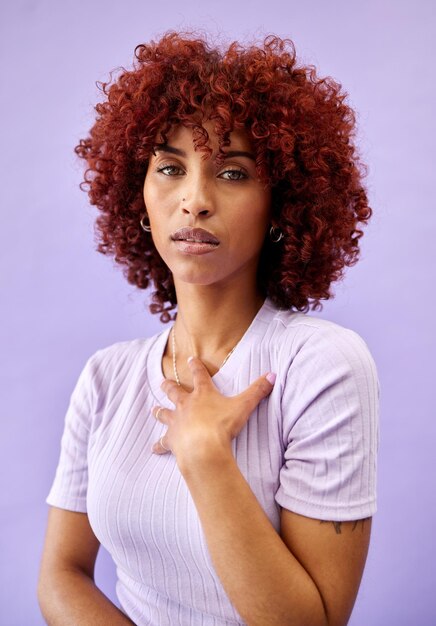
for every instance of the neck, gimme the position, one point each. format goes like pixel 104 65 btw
pixel 211 320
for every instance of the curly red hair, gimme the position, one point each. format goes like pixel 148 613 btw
pixel 301 131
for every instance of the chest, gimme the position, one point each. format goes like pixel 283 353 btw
pixel 138 503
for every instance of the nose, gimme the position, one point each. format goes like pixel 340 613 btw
pixel 197 197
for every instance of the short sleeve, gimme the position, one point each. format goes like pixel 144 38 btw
pixel 330 408
pixel 69 487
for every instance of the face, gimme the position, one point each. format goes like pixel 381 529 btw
pixel 184 189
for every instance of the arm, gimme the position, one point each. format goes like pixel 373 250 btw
pixel 308 576
pixel 67 594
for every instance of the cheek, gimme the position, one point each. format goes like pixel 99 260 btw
pixel 148 193
pixel 249 225
pixel 246 240
pixel 155 205
pixel 151 190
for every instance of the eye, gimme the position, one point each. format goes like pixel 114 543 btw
pixel 167 167
pixel 241 173
pixel 236 174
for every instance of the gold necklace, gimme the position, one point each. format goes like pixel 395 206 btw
pixel 174 356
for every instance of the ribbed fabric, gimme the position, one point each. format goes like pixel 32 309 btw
pixel 310 447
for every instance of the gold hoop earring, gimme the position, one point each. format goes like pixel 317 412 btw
pixel 146 228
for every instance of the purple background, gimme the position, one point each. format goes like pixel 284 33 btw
pixel 62 300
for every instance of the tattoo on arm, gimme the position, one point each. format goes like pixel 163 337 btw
pixel 337 525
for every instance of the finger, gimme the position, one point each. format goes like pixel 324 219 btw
pixel 161 447
pixel 161 414
pixel 200 374
pixel 172 390
pixel 258 390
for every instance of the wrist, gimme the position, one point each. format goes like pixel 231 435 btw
pixel 204 456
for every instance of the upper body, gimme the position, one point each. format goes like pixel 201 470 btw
pixel 209 483
pixel 309 447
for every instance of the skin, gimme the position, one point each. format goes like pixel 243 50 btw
pixel 220 286
pixel 310 572
pixel 305 576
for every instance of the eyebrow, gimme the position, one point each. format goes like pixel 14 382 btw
pixel 182 153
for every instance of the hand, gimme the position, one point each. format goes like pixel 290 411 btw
pixel 204 420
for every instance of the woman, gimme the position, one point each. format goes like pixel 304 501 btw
pixel 236 486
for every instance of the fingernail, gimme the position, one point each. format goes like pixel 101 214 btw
pixel 271 378
pixel 190 359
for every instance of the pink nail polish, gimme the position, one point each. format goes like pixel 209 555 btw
pixel 271 378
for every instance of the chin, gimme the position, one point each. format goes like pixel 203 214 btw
pixel 196 278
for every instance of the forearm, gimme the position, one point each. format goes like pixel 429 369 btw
pixel 71 598
pixel 263 580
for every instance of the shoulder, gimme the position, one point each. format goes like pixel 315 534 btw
pixel 119 357
pixel 311 345
pixel 309 325
pixel 329 390
pixel 124 349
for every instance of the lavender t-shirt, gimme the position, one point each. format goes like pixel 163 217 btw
pixel 310 447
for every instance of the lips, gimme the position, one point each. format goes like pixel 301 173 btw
pixel 197 235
